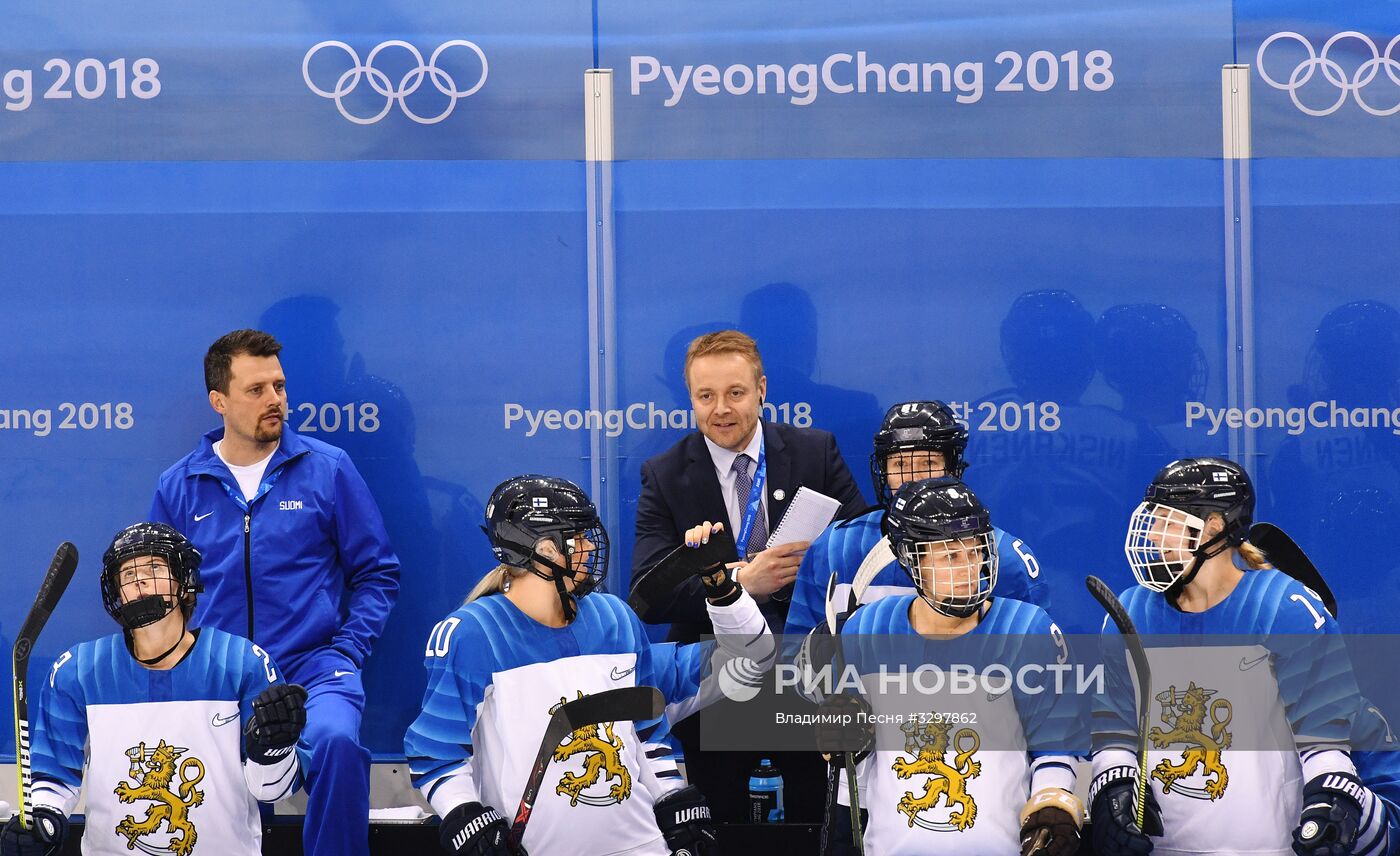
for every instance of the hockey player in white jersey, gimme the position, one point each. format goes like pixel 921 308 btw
pixel 1252 695
pixel 981 773
pixel 532 635
pixel 917 440
pixel 153 721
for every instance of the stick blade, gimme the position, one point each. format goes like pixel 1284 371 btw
pixel 56 579
pixel 655 587
pixel 1285 554
pixel 624 704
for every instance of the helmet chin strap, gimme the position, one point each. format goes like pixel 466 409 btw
pixel 144 610
pixel 1209 550
pixel 560 573
pixel 147 609
pixel 956 611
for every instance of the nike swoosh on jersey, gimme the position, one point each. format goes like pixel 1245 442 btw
pixel 340 674
pixel 617 676
pixel 199 517
pixel 224 720
pixel 1246 665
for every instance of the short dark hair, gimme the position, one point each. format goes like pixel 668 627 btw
pixel 219 358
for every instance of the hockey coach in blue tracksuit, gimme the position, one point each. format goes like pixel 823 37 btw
pixel 295 558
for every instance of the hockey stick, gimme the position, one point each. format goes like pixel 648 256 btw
pixel 655 587
pixel 65 561
pixel 853 789
pixel 1105 596
pixel 874 562
pixel 624 704
pixel 1288 557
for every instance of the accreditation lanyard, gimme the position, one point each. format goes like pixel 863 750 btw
pixel 754 507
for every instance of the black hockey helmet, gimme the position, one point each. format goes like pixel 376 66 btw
pixel 917 426
pixel 1169 522
pixel 526 510
pixel 154 540
pixel 929 524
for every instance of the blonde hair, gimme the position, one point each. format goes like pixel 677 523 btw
pixel 1253 556
pixel 724 342
pixel 493 583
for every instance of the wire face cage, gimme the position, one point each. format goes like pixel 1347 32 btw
pixel 1161 543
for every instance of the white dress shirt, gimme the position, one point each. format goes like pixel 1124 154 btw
pixel 724 468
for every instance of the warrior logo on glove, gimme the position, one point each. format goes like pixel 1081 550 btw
pixel 928 741
pixel 1185 715
pixel 601 750
pixel 155 771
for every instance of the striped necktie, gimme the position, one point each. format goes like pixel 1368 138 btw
pixel 743 484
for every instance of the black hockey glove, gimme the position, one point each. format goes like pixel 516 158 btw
pixel 1333 805
pixel 1050 824
pixel 684 818
pixel 279 714
pixel 1113 812
pixel 44 837
pixel 843 725
pixel 473 829
pixel 711 558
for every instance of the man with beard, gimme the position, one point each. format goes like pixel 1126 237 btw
pixel 295 558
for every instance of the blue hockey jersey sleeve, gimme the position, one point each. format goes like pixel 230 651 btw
pixel 438 743
pixel 280 779
pixel 1055 719
pixel 60 733
pixel 1315 679
pixel 1019 576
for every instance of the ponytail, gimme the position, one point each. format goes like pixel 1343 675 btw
pixel 1253 556
pixel 492 583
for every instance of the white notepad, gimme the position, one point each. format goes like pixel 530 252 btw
pixel 808 514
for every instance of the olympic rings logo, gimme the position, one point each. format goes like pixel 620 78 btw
pixel 393 93
pixel 1333 73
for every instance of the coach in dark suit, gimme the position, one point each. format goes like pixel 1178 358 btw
pixel 714 475
pixel 709 475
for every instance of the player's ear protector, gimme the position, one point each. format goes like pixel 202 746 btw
pixel 515 546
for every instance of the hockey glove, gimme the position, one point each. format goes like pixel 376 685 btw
pixel 1050 823
pixel 473 829
pixel 1113 812
pixel 44 837
pixel 279 714
pixel 1333 805
pixel 684 818
pixel 720 586
pixel 843 725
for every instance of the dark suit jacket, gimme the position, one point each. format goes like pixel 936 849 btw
pixel 680 489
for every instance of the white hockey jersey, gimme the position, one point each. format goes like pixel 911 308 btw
pixel 499 678
pixel 161 751
pixel 1250 700
pixel 953 768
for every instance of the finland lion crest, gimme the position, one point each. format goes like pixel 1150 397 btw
pixel 602 763
pixel 1185 714
pixel 154 771
pixel 927 740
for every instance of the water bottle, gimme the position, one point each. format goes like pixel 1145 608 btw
pixel 766 794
